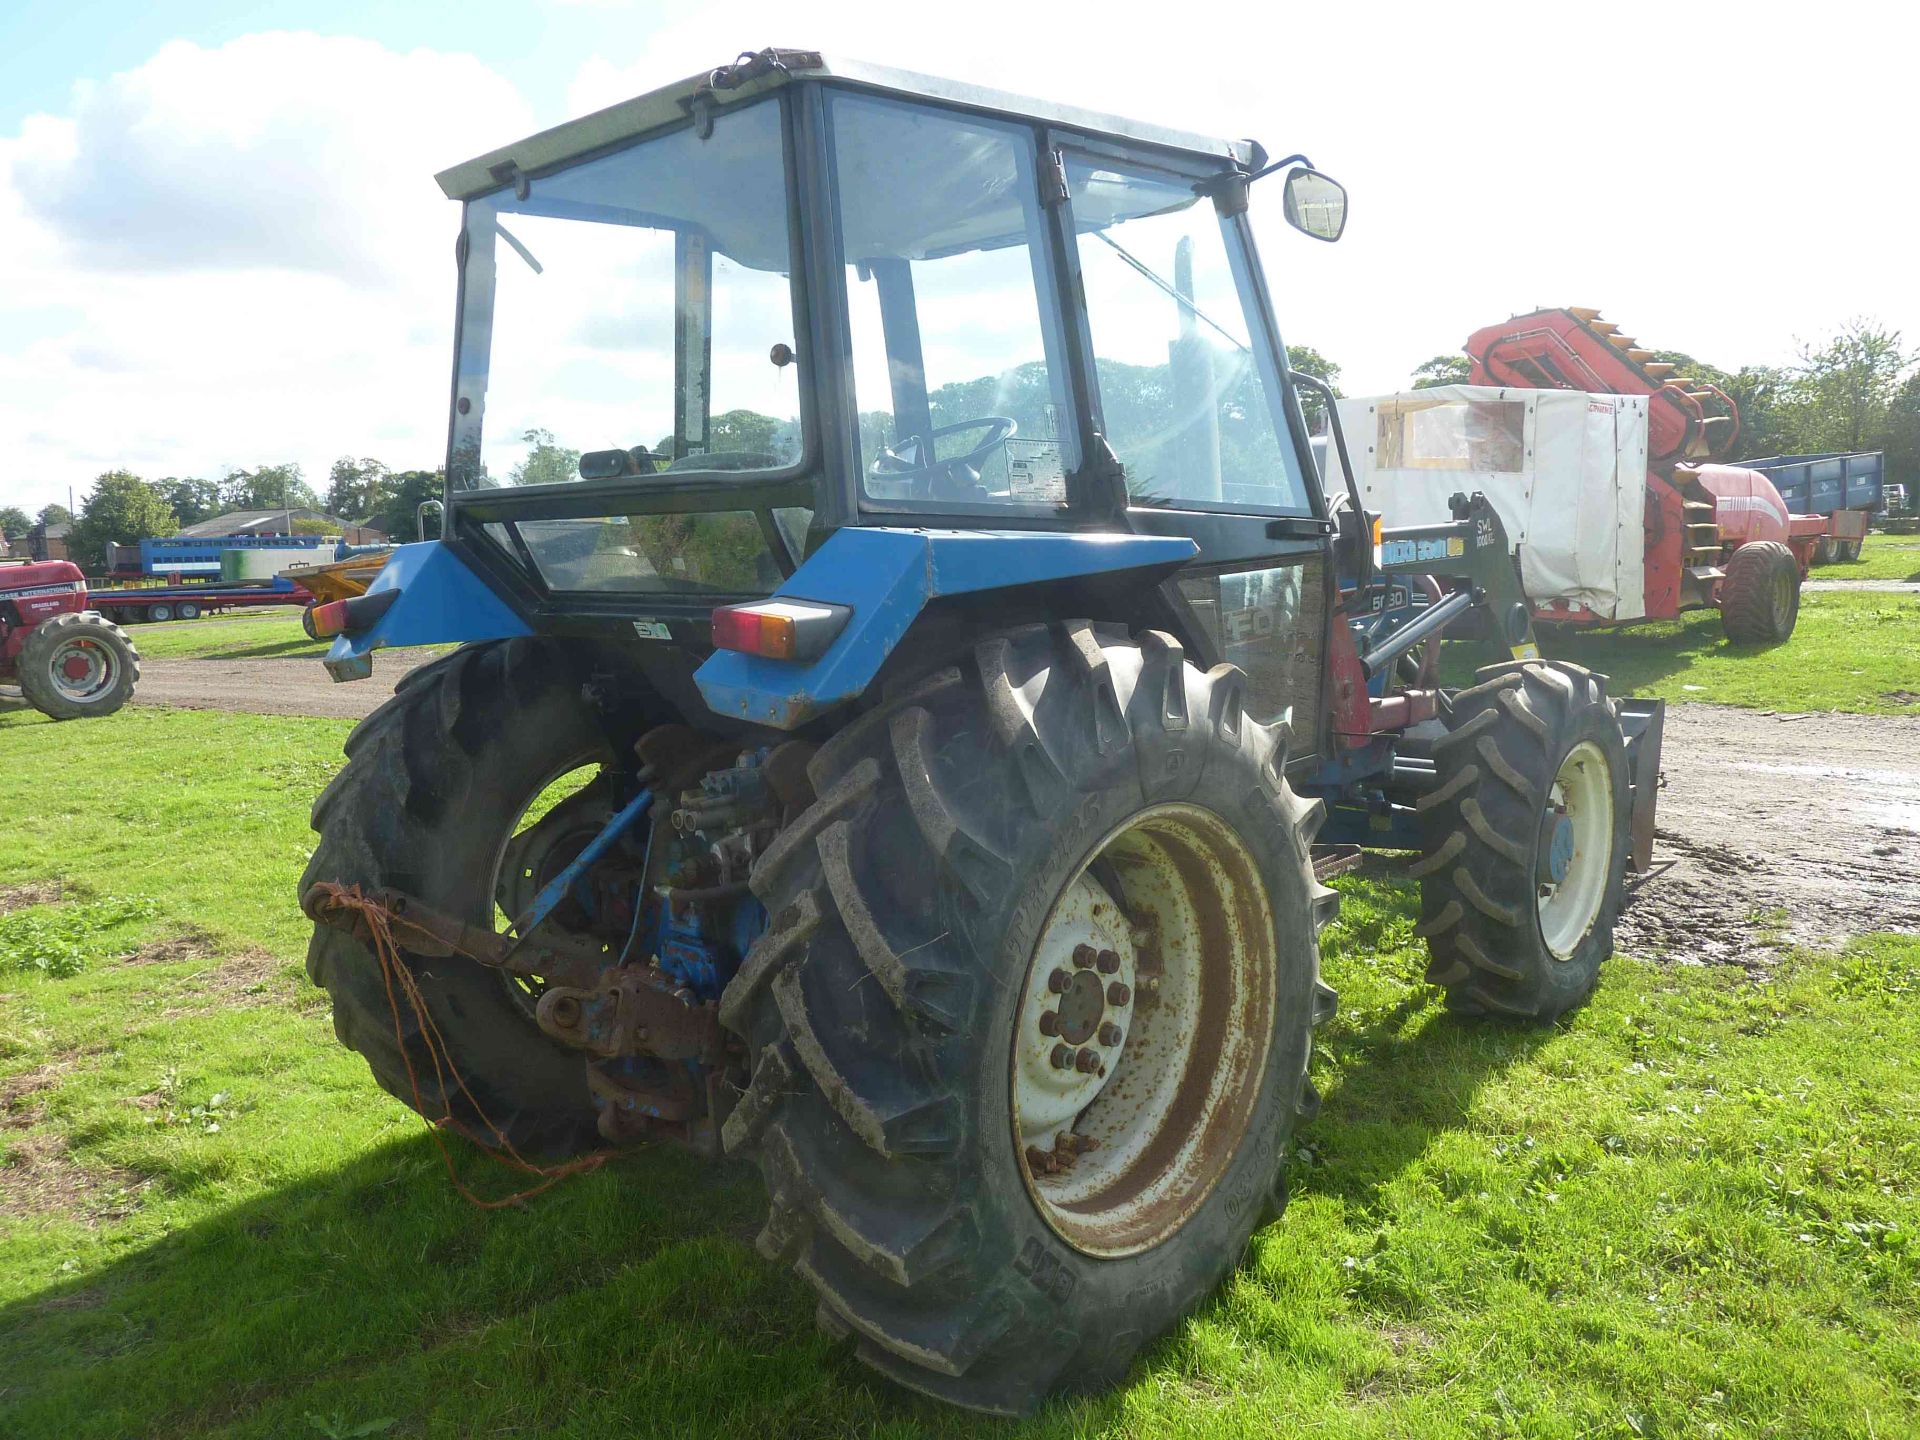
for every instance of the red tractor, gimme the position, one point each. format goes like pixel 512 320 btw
pixel 68 661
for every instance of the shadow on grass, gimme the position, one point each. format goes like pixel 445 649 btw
pixel 372 1291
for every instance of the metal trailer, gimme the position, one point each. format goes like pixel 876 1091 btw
pixel 138 604
pixel 1843 486
pixel 197 556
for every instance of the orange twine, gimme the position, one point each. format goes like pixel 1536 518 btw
pixel 377 920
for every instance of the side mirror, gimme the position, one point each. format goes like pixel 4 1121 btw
pixel 1315 204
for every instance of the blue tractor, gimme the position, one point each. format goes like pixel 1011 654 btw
pixel 907 657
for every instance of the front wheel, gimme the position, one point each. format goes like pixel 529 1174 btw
pixel 1525 841
pixel 78 664
pixel 1030 1025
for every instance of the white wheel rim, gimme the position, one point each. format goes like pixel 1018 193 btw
pixel 1576 849
pixel 83 670
pixel 1166 936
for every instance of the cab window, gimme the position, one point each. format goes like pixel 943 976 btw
pixel 1188 398
pixel 960 391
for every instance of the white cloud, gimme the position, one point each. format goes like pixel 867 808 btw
pixel 233 256
pixel 1720 182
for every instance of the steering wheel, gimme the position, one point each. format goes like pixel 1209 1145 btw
pixel 911 462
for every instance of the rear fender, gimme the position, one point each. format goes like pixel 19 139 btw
pixel 887 577
pixel 439 601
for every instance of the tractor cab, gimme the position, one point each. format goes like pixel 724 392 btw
pixel 701 332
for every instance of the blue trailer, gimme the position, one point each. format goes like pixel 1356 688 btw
pixel 198 555
pixel 1845 487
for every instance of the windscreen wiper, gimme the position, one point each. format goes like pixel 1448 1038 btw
pixel 518 249
pixel 1166 289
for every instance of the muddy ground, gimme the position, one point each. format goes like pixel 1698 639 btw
pixel 1779 829
pixel 269 687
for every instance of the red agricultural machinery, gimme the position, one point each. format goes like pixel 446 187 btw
pixel 69 661
pixel 1609 471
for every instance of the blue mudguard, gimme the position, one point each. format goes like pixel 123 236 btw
pixel 887 577
pixel 441 602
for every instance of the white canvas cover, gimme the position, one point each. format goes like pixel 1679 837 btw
pixel 1566 471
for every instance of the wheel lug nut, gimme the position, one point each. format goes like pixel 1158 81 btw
pixel 1058 982
pixel 1108 961
pixel 1109 1034
pixel 1062 1056
pixel 1049 1023
pixel 1118 994
pixel 1086 1062
pixel 1083 956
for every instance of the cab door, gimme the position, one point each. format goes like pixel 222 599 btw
pixel 1188 392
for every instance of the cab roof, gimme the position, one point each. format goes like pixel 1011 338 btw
pixel 753 75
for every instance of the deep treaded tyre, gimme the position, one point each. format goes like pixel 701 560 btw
pixel 78 665
pixel 434 782
pixel 951 1164
pixel 1760 598
pixel 1525 841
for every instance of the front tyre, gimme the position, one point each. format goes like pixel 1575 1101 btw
pixel 1030 1024
pixel 1525 841
pixel 78 665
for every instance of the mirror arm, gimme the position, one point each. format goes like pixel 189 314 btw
pixel 1228 189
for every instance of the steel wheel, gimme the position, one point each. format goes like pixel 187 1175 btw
pixel 1576 850
pixel 83 669
pixel 160 612
pixel 1148 1010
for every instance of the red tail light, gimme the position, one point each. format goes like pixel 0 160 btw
pixel 779 629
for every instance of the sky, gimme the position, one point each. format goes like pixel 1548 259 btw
pixel 221 244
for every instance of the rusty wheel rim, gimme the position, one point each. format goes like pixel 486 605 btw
pixel 1144 1029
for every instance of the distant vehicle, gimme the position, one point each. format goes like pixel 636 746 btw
pixel 68 660
pixel 1894 500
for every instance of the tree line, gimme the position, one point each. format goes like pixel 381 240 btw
pixel 122 507
pixel 1857 389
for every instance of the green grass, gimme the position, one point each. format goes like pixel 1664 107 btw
pixel 240 637
pixel 1851 650
pixel 1882 557
pixel 1690 1210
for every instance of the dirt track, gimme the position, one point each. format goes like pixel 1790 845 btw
pixel 1773 829
pixel 1779 829
pixel 268 687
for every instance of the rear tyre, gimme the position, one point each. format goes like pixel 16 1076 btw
pixel 1073 845
pixel 1760 598
pixel 435 782
pixel 78 665
pixel 1525 841
pixel 188 610
pixel 159 613
pixel 1850 549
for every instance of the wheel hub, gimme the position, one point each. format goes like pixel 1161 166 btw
pixel 1068 1010
pixel 1576 850
pixel 1143 1030
pixel 82 669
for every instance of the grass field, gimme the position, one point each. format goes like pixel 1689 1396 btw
pixel 1851 650
pixel 1690 1210
pixel 1882 557
pixel 251 636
